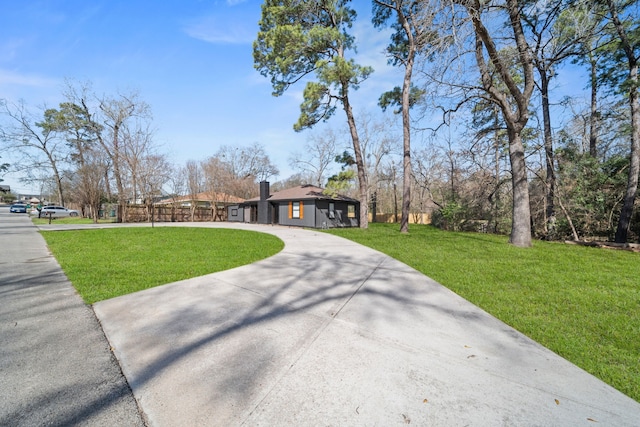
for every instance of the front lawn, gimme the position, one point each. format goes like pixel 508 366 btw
pixel 583 303
pixel 105 263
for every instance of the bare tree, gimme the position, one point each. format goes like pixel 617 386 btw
pixel 492 36
pixel 319 153
pixel 39 142
pixel 194 178
pixel 152 174
pixel 121 115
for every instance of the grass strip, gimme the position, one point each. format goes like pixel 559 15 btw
pixel 105 263
pixel 582 303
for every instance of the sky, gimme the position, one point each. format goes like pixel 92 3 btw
pixel 190 60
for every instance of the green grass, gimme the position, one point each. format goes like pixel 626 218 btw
pixel 583 303
pixel 106 263
pixel 69 220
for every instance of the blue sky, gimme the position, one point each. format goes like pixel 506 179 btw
pixel 190 60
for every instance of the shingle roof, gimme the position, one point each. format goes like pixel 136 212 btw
pixel 303 192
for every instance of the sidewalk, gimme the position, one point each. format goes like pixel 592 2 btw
pixel 329 332
pixel 56 368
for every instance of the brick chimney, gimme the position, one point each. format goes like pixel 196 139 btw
pixel 264 210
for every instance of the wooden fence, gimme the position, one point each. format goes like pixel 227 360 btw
pixel 168 213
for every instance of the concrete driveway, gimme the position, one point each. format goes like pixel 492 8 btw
pixel 325 333
pixel 329 332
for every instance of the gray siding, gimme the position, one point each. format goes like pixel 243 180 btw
pixel 235 213
pixel 308 215
pixel 340 217
pixel 315 214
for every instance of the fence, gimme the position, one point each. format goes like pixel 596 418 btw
pixel 168 213
pixel 414 218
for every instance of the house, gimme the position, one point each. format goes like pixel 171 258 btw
pixel 302 206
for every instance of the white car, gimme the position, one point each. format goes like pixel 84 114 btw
pixel 55 212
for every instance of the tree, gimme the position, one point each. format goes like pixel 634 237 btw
pixel 152 174
pixel 299 39
pixel 38 141
pixel 624 48
pixel 248 162
pixel 557 30
pixel 378 142
pixel 91 166
pixel 120 116
pixel 406 42
pixel 194 178
pixel 505 64
pixel 340 182
pixel 319 152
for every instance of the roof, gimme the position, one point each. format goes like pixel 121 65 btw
pixel 303 192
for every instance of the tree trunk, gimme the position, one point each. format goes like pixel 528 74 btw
pixel 595 116
pixel 549 157
pixel 362 176
pixel 634 167
pixel 406 123
pixel 521 225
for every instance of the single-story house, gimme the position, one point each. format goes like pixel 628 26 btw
pixel 302 206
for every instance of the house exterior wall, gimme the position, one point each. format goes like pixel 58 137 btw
pixel 308 214
pixel 340 217
pixel 235 213
pixel 316 214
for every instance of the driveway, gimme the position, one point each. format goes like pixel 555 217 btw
pixel 329 332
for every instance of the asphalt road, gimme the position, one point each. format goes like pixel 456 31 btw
pixel 56 366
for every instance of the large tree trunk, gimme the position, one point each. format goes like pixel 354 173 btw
pixel 406 123
pixel 521 226
pixel 362 176
pixel 634 167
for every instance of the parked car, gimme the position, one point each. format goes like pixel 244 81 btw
pixel 55 212
pixel 18 208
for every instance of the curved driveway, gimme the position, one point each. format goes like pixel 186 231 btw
pixel 329 332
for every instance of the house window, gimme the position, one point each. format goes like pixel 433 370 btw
pixel 234 212
pixel 332 210
pixel 351 211
pixel 296 210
